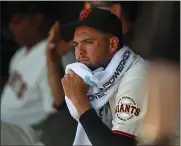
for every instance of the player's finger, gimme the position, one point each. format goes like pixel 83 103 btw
pixel 71 73
pixel 51 31
pixel 54 32
pixel 51 46
pixel 66 76
pixel 53 36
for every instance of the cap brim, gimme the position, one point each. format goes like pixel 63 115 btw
pixel 67 31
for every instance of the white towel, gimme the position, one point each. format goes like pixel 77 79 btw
pixel 103 85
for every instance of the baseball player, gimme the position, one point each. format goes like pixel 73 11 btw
pixel 27 98
pixel 113 124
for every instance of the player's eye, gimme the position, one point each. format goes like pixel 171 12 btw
pixel 75 45
pixel 88 41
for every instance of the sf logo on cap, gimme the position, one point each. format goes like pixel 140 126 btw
pixel 85 13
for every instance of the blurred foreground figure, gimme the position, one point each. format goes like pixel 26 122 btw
pixel 161 123
pixel 27 99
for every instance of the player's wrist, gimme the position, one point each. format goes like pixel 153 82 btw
pixel 82 105
pixel 58 107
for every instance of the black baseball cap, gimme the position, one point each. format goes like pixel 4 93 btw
pixel 100 19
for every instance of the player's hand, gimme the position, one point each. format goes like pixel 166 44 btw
pixel 53 64
pixel 76 89
pixel 56 46
pixel 53 59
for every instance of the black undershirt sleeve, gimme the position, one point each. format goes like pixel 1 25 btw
pixel 99 134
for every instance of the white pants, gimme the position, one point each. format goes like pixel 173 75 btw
pixel 16 135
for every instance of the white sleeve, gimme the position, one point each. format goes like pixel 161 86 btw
pixel 46 91
pixel 129 107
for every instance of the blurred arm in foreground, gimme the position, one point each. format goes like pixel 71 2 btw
pixel 161 121
pixel 160 125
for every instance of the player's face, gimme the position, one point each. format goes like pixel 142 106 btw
pixel 21 28
pixel 91 47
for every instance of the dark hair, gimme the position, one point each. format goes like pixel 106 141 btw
pixel 130 8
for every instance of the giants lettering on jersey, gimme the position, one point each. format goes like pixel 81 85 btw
pixel 17 84
pixel 126 108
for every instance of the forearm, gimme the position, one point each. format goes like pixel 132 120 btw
pixel 56 89
pixel 99 134
pixel 55 77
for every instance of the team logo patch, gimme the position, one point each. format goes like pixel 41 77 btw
pixel 17 84
pixel 126 109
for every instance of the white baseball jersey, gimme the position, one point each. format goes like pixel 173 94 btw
pixel 26 98
pixel 124 112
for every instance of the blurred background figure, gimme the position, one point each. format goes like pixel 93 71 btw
pixel 26 98
pixel 30 23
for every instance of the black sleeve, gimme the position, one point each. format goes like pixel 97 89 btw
pixel 99 134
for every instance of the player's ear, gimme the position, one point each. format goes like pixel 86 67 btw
pixel 113 44
pixel 117 10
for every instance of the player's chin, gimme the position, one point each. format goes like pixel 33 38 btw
pixel 92 67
